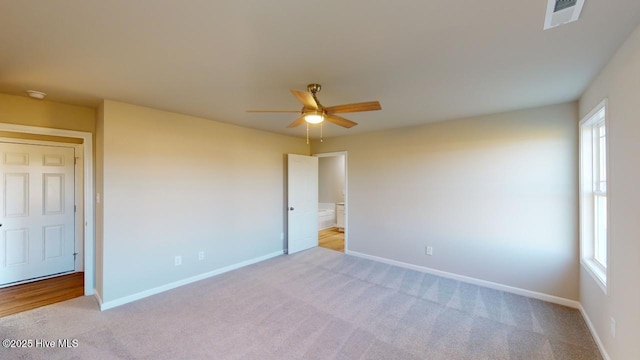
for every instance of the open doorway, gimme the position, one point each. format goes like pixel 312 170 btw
pixel 56 284
pixel 332 200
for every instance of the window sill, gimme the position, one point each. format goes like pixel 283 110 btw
pixel 597 273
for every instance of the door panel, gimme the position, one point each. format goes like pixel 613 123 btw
pixel 302 197
pixel 16 191
pixel 53 241
pixel 37 204
pixel 53 197
pixel 16 246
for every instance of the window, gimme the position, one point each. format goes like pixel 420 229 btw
pixel 593 194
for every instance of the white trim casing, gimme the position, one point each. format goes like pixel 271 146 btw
pixel 586 206
pixel 89 211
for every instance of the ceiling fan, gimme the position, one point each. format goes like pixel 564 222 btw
pixel 314 113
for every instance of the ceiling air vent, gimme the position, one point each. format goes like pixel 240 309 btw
pixel 563 4
pixel 560 12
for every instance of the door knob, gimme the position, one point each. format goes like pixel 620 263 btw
pixel 291 208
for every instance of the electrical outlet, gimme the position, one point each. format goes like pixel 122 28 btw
pixel 178 260
pixel 613 327
pixel 201 255
pixel 428 250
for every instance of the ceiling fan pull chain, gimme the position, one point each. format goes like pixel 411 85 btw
pixel 321 140
pixel 307 133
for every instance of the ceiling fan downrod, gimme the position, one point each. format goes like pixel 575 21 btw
pixel 314 89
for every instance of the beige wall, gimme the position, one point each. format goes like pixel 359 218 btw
pixel 618 82
pixel 177 185
pixel 26 111
pixel 494 195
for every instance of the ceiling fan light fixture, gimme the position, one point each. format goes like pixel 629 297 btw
pixel 315 117
pixel 313 112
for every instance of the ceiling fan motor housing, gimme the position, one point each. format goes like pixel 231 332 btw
pixel 314 88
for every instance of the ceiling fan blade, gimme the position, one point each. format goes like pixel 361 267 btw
pixel 273 111
pixel 299 121
pixel 340 121
pixel 305 98
pixel 363 106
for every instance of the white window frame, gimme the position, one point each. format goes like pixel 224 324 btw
pixel 589 175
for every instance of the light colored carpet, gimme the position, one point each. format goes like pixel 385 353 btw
pixel 318 304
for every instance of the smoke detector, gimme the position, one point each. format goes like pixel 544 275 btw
pixel 560 12
pixel 36 94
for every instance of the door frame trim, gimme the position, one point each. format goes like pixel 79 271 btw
pixel 346 192
pixel 88 178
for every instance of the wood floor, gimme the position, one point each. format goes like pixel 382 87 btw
pixel 331 239
pixel 18 298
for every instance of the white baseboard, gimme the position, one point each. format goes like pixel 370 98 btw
pixel 528 293
pixel 492 285
pixel 173 285
pixel 96 294
pixel 592 329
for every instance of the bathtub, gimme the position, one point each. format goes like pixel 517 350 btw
pixel 326 218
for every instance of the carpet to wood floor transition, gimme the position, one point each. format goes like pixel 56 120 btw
pixel 331 238
pixel 18 298
pixel 318 304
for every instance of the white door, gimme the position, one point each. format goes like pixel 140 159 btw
pixel 302 198
pixel 37 236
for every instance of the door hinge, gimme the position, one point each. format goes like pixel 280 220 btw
pixel 75 256
pixel 74 209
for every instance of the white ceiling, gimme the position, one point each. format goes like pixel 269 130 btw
pixel 424 60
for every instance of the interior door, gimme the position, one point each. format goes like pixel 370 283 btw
pixel 37 235
pixel 302 198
